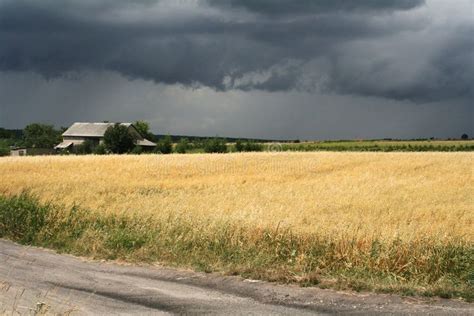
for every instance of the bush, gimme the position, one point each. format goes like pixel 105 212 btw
pixel 21 217
pixel 215 145
pixel 137 150
pixel 100 150
pixel 87 147
pixel 165 145
pixel 248 146
pixel 118 140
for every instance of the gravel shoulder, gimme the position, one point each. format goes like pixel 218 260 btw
pixel 36 280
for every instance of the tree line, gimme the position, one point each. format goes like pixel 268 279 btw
pixel 118 140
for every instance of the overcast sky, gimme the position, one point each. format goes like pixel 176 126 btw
pixel 308 69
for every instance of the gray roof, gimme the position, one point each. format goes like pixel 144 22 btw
pixel 90 129
pixel 66 143
pixel 145 142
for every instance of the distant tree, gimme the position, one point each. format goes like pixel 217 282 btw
pixel 144 129
pixel 215 145
pixel 252 146
pixel 165 145
pixel 464 136
pixel 41 136
pixel 197 144
pixel 239 146
pixel 4 148
pixel 248 146
pixel 4 133
pixel 182 146
pixel 118 140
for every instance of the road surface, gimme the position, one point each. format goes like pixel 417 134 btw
pixel 35 280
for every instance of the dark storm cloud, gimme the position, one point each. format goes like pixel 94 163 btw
pixel 448 74
pixel 230 44
pixel 288 7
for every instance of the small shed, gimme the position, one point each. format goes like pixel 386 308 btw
pixel 16 152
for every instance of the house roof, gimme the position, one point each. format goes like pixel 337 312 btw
pixel 90 129
pixel 145 142
pixel 65 144
pixel 97 130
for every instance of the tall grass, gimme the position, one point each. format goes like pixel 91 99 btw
pixel 421 266
pixel 380 194
pixel 384 221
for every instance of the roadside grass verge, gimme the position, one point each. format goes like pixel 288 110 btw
pixel 430 266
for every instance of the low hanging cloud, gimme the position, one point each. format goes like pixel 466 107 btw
pixel 286 7
pixel 393 49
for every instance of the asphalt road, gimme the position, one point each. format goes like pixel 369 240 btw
pixel 35 280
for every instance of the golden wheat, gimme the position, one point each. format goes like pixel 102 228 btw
pixel 383 195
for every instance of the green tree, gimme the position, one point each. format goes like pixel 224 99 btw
pixel 4 133
pixel 118 140
pixel 41 136
pixel 252 146
pixel 182 146
pixel 165 145
pixel 144 129
pixel 215 145
pixel 4 149
pixel 239 146
pixel 196 144
pixel 464 137
pixel 248 146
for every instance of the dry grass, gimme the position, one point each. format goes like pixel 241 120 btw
pixel 408 195
pixel 398 222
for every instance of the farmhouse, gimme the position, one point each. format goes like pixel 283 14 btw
pixel 78 133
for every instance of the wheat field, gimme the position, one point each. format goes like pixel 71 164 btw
pixel 390 222
pixel 408 195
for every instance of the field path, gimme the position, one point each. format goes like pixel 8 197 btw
pixel 32 279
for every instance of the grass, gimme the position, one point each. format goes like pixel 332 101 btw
pixel 423 266
pixel 383 146
pixel 387 222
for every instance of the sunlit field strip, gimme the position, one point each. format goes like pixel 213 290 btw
pixel 405 195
